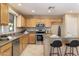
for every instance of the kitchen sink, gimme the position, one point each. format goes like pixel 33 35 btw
pixel 3 39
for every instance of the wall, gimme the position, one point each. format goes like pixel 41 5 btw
pixel 78 24
pixel 71 24
pixel 54 29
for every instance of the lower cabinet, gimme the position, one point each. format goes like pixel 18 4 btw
pixel 32 38
pixel 6 50
pixel 23 42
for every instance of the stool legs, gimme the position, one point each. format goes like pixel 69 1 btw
pixel 71 53
pixel 50 50
pixel 65 51
pixel 77 50
pixel 58 52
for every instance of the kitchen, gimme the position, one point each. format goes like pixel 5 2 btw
pixel 30 24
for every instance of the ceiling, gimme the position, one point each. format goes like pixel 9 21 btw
pixel 42 8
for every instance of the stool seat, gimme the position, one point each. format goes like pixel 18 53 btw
pixel 56 44
pixel 73 44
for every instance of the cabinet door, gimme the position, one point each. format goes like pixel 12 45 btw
pixel 20 21
pixel 23 42
pixel 4 14
pixel 28 23
pixel 21 45
pixel 47 22
pixel 32 22
pixel 32 38
pixel 6 50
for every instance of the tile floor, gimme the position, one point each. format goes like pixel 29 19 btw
pixel 38 50
pixel 33 50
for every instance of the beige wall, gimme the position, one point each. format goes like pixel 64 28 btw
pixel 71 22
pixel 54 29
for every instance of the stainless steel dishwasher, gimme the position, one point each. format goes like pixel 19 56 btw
pixel 15 47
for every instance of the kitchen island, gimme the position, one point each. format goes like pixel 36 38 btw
pixel 47 41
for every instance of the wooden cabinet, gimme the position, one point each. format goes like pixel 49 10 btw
pixel 47 22
pixel 32 38
pixel 6 50
pixel 4 15
pixel 33 22
pixel 56 21
pixel 27 23
pixel 23 42
pixel 21 21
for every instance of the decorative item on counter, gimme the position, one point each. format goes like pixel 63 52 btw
pixel 25 32
pixel 59 31
pixel 9 37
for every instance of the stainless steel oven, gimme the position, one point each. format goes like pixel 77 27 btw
pixel 41 30
pixel 39 37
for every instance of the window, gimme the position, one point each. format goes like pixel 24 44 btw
pixel 11 22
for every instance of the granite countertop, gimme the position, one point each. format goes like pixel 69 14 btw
pixel 4 42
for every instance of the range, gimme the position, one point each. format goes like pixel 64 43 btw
pixel 40 31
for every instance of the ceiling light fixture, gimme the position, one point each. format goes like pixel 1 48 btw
pixel 19 4
pixel 51 9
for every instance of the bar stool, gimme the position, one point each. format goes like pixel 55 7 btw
pixel 73 44
pixel 56 44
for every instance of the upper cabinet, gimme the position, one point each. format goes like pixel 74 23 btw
pixel 4 15
pixel 21 21
pixel 33 22
pixel 56 20
pixel 48 22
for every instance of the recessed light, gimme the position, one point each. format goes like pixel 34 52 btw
pixel 33 11
pixel 19 4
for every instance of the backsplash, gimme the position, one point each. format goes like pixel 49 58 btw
pixel 4 29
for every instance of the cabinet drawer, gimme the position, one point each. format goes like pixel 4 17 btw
pixel 5 47
pixel 7 52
